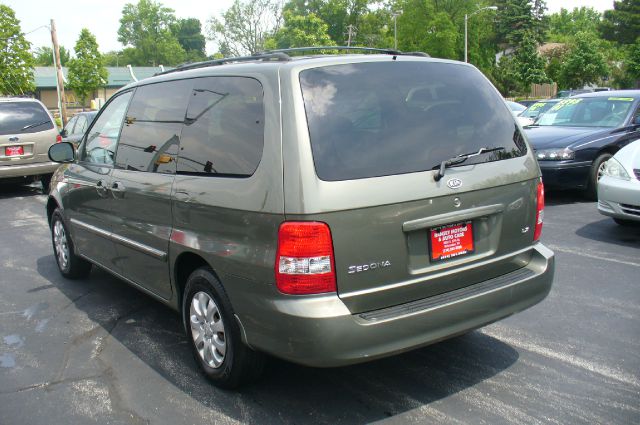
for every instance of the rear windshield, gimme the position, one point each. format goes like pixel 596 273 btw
pixel 384 118
pixel 23 117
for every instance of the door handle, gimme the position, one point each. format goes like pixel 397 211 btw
pixel 117 187
pixel 101 188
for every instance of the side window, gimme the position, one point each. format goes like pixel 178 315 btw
pixel 70 124
pixel 224 129
pixel 151 134
pixel 81 125
pixel 100 146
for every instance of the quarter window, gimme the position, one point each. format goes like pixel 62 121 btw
pixel 100 147
pixel 224 128
pixel 151 134
pixel 81 125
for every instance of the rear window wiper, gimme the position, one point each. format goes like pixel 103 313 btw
pixel 34 125
pixel 460 159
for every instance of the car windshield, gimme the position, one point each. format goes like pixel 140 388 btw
pixel 384 118
pixel 588 112
pixel 537 109
pixel 23 117
pixel 515 106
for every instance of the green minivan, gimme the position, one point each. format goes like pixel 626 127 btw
pixel 323 209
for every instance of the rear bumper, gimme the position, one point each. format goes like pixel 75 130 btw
pixel 24 170
pixel 565 175
pixel 619 198
pixel 320 331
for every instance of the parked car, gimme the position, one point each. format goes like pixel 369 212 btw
pixel 568 93
pixel 575 137
pixel 307 207
pixel 26 133
pixel 534 111
pixel 515 107
pixel 619 186
pixel 77 125
pixel 527 102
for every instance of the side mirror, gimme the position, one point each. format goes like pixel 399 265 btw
pixel 62 152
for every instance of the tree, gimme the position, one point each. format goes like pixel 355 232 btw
pixel 43 56
pixel 421 28
pixel 585 63
pixel 506 76
pixel 517 17
pixel 633 62
pixel 86 72
pixel 16 62
pixel 189 35
pixel 529 64
pixel 300 31
pixel 565 24
pixel 622 24
pixel 146 28
pixel 245 26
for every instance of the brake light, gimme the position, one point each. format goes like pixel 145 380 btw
pixel 58 138
pixel 305 259
pixel 539 211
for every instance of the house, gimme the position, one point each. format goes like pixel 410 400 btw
pixel 118 77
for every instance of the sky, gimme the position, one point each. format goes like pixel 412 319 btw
pixel 102 17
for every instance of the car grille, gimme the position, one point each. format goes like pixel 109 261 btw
pixel 637 173
pixel 630 209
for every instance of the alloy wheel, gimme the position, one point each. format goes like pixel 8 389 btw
pixel 207 329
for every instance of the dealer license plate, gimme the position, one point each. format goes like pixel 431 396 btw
pixel 13 150
pixel 451 241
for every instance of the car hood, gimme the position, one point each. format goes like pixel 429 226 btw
pixel 545 137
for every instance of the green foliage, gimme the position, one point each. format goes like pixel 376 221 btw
pixel 300 31
pixel 422 28
pixel 43 56
pixel 530 66
pixel 622 24
pixel 584 63
pixel 86 72
pixel 146 27
pixel 245 26
pixel 565 24
pixel 633 62
pixel 16 61
pixel 519 17
pixel 506 76
pixel 189 35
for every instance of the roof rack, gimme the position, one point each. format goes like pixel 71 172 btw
pixel 365 49
pixel 280 55
pixel 266 56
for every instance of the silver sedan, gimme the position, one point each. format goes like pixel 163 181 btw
pixel 619 186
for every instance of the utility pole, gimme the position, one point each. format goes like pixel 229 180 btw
pixel 351 31
pixel 62 100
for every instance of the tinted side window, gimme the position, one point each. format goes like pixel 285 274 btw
pixel 70 125
pixel 224 130
pixel 81 125
pixel 100 146
pixel 151 134
pixel 23 117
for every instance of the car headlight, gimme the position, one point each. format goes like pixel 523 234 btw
pixel 613 168
pixel 555 154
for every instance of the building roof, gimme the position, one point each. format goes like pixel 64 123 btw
pixel 45 76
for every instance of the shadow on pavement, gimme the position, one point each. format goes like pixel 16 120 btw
pixel 14 190
pixel 607 231
pixel 561 197
pixel 287 393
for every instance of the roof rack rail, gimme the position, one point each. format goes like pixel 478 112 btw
pixel 266 56
pixel 366 49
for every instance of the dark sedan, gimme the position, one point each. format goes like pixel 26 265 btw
pixel 577 135
pixel 77 125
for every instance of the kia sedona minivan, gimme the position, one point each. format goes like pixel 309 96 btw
pixel 323 209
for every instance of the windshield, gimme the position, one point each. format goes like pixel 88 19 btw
pixel 23 117
pixel 515 106
pixel 383 118
pixel 537 109
pixel 588 112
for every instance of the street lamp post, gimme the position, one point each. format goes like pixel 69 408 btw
pixel 466 18
pixel 395 28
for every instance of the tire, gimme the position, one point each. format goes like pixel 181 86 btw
pixel 623 222
pixel 595 173
pixel 70 265
pixel 215 337
pixel 45 180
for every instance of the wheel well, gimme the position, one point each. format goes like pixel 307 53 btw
pixel 609 149
pixel 185 265
pixel 51 207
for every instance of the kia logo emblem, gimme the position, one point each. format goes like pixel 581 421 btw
pixel 454 183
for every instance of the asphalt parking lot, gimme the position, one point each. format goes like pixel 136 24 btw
pixel 98 351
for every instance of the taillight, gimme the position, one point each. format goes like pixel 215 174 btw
pixel 58 138
pixel 304 260
pixel 539 211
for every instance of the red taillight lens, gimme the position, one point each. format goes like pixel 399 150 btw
pixel 304 260
pixel 58 138
pixel 539 211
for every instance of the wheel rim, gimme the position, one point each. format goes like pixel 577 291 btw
pixel 207 329
pixel 61 244
pixel 601 170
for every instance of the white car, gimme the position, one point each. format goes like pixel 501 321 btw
pixel 619 186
